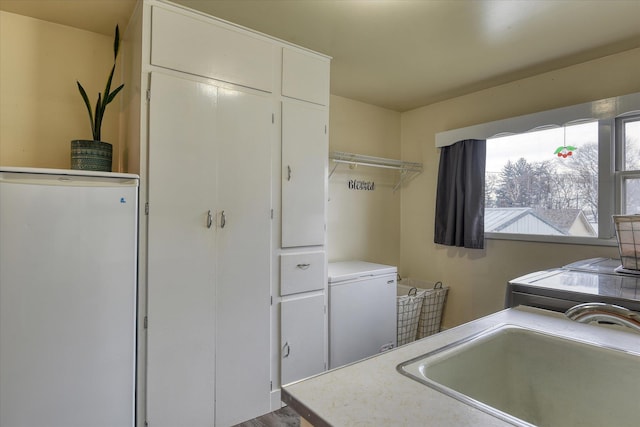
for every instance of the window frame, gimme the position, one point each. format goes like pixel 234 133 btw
pixel 610 114
pixel 620 172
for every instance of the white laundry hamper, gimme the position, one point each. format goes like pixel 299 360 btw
pixel 409 308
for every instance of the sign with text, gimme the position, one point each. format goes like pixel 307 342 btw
pixel 355 184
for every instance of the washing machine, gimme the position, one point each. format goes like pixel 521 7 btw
pixel 590 280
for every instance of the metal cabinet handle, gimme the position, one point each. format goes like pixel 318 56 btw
pixel 223 220
pixel 288 173
pixel 303 266
pixel 209 219
pixel 286 350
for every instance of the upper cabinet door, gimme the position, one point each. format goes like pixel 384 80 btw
pixel 305 76
pixel 207 48
pixel 304 164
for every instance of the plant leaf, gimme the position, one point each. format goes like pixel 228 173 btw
pixel 98 118
pixel 83 93
pixel 116 43
pixel 113 94
pixel 107 89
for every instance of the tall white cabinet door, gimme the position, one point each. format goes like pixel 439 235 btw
pixel 304 164
pixel 245 137
pixel 302 338
pixel 180 365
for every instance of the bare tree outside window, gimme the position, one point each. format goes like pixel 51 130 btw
pixel 537 192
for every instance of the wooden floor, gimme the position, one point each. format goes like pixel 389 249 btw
pixel 284 417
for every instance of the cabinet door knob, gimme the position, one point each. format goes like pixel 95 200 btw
pixel 286 350
pixel 288 173
pixel 303 266
pixel 223 220
pixel 209 219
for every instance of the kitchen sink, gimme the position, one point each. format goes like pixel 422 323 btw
pixel 529 377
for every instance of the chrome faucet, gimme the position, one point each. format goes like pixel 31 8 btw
pixel 587 312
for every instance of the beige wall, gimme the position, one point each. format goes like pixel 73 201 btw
pixel 41 110
pixel 478 277
pixel 363 225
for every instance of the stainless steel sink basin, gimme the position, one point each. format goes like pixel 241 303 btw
pixel 527 377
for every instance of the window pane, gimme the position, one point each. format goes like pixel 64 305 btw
pixel 544 182
pixel 632 145
pixel 631 196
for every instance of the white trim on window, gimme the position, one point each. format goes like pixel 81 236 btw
pixel 606 179
pixel 603 109
pixel 568 240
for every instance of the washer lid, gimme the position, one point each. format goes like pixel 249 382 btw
pixel 595 265
pixel 347 270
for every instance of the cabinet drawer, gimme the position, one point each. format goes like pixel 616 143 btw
pixel 210 49
pixel 301 272
pixel 305 76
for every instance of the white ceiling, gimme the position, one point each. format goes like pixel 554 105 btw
pixel 402 54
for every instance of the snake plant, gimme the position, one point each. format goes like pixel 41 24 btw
pixel 103 99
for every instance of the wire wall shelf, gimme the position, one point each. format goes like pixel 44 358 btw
pixel 408 170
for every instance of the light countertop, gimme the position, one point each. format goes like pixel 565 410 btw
pixel 373 393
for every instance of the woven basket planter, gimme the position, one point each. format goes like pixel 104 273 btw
pixel 91 155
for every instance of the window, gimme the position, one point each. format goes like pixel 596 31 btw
pixel 628 163
pixel 560 175
pixel 544 182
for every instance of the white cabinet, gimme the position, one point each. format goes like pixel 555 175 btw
pixel 305 76
pixel 209 253
pixel 302 315
pixel 302 337
pixel 303 282
pixel 208 131
pixel 304 164
pixel 200 46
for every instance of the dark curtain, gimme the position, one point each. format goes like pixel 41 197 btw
pixel 460 196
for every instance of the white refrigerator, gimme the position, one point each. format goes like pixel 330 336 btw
pixel 68 275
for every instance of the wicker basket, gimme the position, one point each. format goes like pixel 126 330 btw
pixel 409 308
pixel 432 307
pixel 421 316
pixel 628 235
